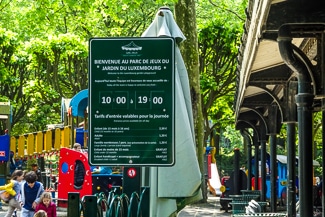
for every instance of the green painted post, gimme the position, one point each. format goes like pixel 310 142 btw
pixel 131 180
pixel 144 206
pixel 73 204
pixel 90 205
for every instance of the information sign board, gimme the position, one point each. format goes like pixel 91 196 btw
pixel 131 101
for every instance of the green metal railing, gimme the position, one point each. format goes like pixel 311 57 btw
pixel 261 214
pixel 101 204
pixel 112 205
pixel 134 203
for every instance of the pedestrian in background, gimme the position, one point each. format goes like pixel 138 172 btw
pixel 37 171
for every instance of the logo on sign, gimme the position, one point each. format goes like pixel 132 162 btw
pixel 131 46
pixel 131 49
pixel 2 153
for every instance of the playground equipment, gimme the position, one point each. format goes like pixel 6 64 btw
pixel 52 148
pixel 4 157
pixel 229 183
pixel 281 182
pixel 57 136
pixel 75 175
pixel 5 120
pixel 213 178
pixel 74 113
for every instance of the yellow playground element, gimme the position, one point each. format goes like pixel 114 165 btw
pixel 64 135
pixel 40 142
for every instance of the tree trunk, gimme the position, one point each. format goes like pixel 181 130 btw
pixel 185 14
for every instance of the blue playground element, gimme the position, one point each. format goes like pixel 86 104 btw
pixel 79 103
pixel 80 132
pixel 4 156
pixel 4 147
pixel 281 181
pixel 76 107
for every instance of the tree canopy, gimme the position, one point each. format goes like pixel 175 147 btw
pixel 220 28
pixel 44 48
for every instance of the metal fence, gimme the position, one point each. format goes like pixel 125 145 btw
pixel 111 205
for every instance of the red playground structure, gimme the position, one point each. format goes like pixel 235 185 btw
pixel 74 173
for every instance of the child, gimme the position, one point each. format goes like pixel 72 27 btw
pixel 77 147
pixel 40 213
pixel 47 205
pixel 30 193
pixel 13 190
pixel 7 191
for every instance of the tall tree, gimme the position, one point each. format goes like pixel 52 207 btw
pixel 14 77
pixel 218 51
pixel 186 19
pixel 220 28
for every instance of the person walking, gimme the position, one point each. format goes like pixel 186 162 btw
pixel 31 191
pixel 13 188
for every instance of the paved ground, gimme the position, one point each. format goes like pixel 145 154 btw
pixel 209 209
pixel 60 213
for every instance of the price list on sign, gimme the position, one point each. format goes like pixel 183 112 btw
pixel 131 101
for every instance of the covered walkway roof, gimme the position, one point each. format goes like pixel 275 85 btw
pixel 264 80
pixel 281 79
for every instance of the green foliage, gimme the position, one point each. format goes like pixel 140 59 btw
pixel 46 52
pixel 318 142
pixel 8 44
pixel 45 55
pixel 218 43
pixel 234 137
pixel 50 69
pixel 225 161
pixel 37 19
pixel 60 63
pixel 14 74
pixel 45 47
pixel 231 12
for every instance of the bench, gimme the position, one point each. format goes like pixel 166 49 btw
pixel 252 192
pixel 239 202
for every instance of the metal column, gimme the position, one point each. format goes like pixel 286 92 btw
pixel 274 172
pixel 305 127
pixel 263 170
pixel 291 168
